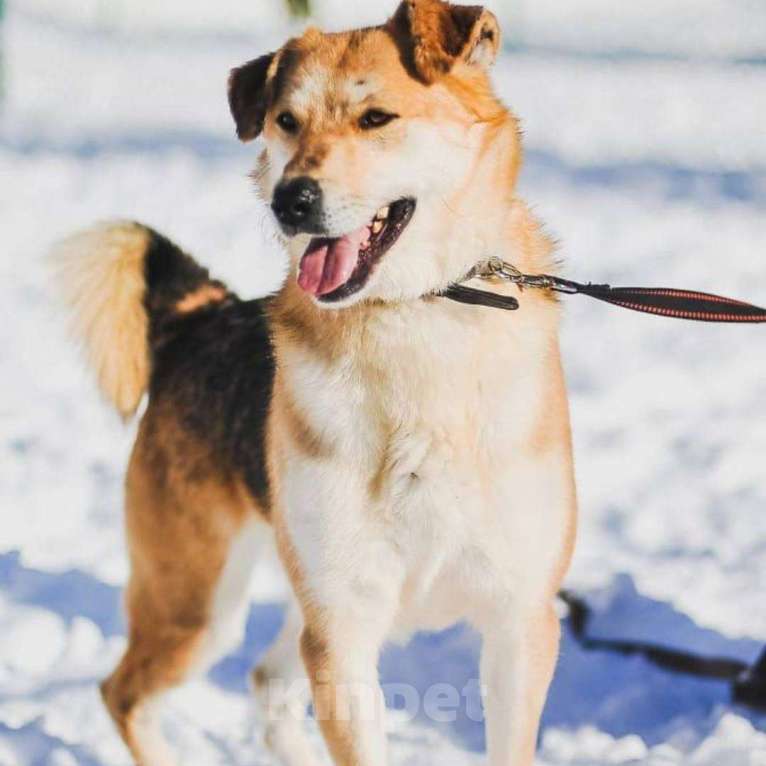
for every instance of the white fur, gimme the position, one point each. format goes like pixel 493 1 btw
pixel 230 603
pixel 439 529
pixel 310 92
pixel 467 524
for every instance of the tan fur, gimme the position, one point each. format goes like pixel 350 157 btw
pixel 437 34
pixel 302 436
pixel 332 705
pixel 174 492
pixel 100 274
pixel 200 298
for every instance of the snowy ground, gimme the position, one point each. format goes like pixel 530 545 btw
pixel 646 156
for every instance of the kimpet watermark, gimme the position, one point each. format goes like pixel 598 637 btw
pixel 363 701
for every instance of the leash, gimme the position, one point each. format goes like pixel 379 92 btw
pixel 661 301
pixel 747 682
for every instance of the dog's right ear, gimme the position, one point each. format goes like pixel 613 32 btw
pixel 248 95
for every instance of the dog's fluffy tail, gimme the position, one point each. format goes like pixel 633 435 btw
pixel 121 280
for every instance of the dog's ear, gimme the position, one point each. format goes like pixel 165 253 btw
pixel 248 96
pixel 437 34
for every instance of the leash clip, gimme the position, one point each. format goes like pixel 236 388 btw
pixel 497 268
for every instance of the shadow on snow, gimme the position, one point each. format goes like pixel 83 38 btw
pixel 619 695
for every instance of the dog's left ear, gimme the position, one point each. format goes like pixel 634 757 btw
pixel 248 96
pixel 438 34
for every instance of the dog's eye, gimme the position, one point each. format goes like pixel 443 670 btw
pixel 288 123
pixel 374 118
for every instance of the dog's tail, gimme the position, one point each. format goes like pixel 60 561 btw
pixel 121 281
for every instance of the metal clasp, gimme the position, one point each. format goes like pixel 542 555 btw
pixel 504 270
pixel 497 268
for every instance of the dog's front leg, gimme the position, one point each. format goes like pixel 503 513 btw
pixel 517 665
pixel 348 578
pixel 341 657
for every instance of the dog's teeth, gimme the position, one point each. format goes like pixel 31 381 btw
pixel 382 213
pixel 376 226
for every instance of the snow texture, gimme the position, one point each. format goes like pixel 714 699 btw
pixel 644 128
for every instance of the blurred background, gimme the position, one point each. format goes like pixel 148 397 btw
pixel 645 131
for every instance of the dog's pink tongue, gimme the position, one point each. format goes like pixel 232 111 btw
pixel 329 263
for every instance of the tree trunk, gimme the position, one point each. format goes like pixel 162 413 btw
pixel 297 8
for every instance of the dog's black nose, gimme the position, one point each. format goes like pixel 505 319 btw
pixel 297 204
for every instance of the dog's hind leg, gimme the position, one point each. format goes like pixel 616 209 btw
pixel 192 547
pixel 282 690
pixel 151 665
pixel 195 624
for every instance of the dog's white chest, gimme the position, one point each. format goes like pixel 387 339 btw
pixel 428 491
pixel 430 503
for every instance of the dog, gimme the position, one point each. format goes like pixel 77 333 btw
pixel 409 456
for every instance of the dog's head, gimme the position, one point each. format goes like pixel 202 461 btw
pixel 376 140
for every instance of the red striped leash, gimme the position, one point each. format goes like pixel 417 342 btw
pixel 661 301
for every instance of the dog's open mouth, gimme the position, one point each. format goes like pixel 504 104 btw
pixel 333 269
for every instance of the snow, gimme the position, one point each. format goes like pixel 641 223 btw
pixel 645 156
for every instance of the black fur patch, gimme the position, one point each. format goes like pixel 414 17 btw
pixel 212 368
pixel 170 275
pixel 248 97
pixel 215 369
